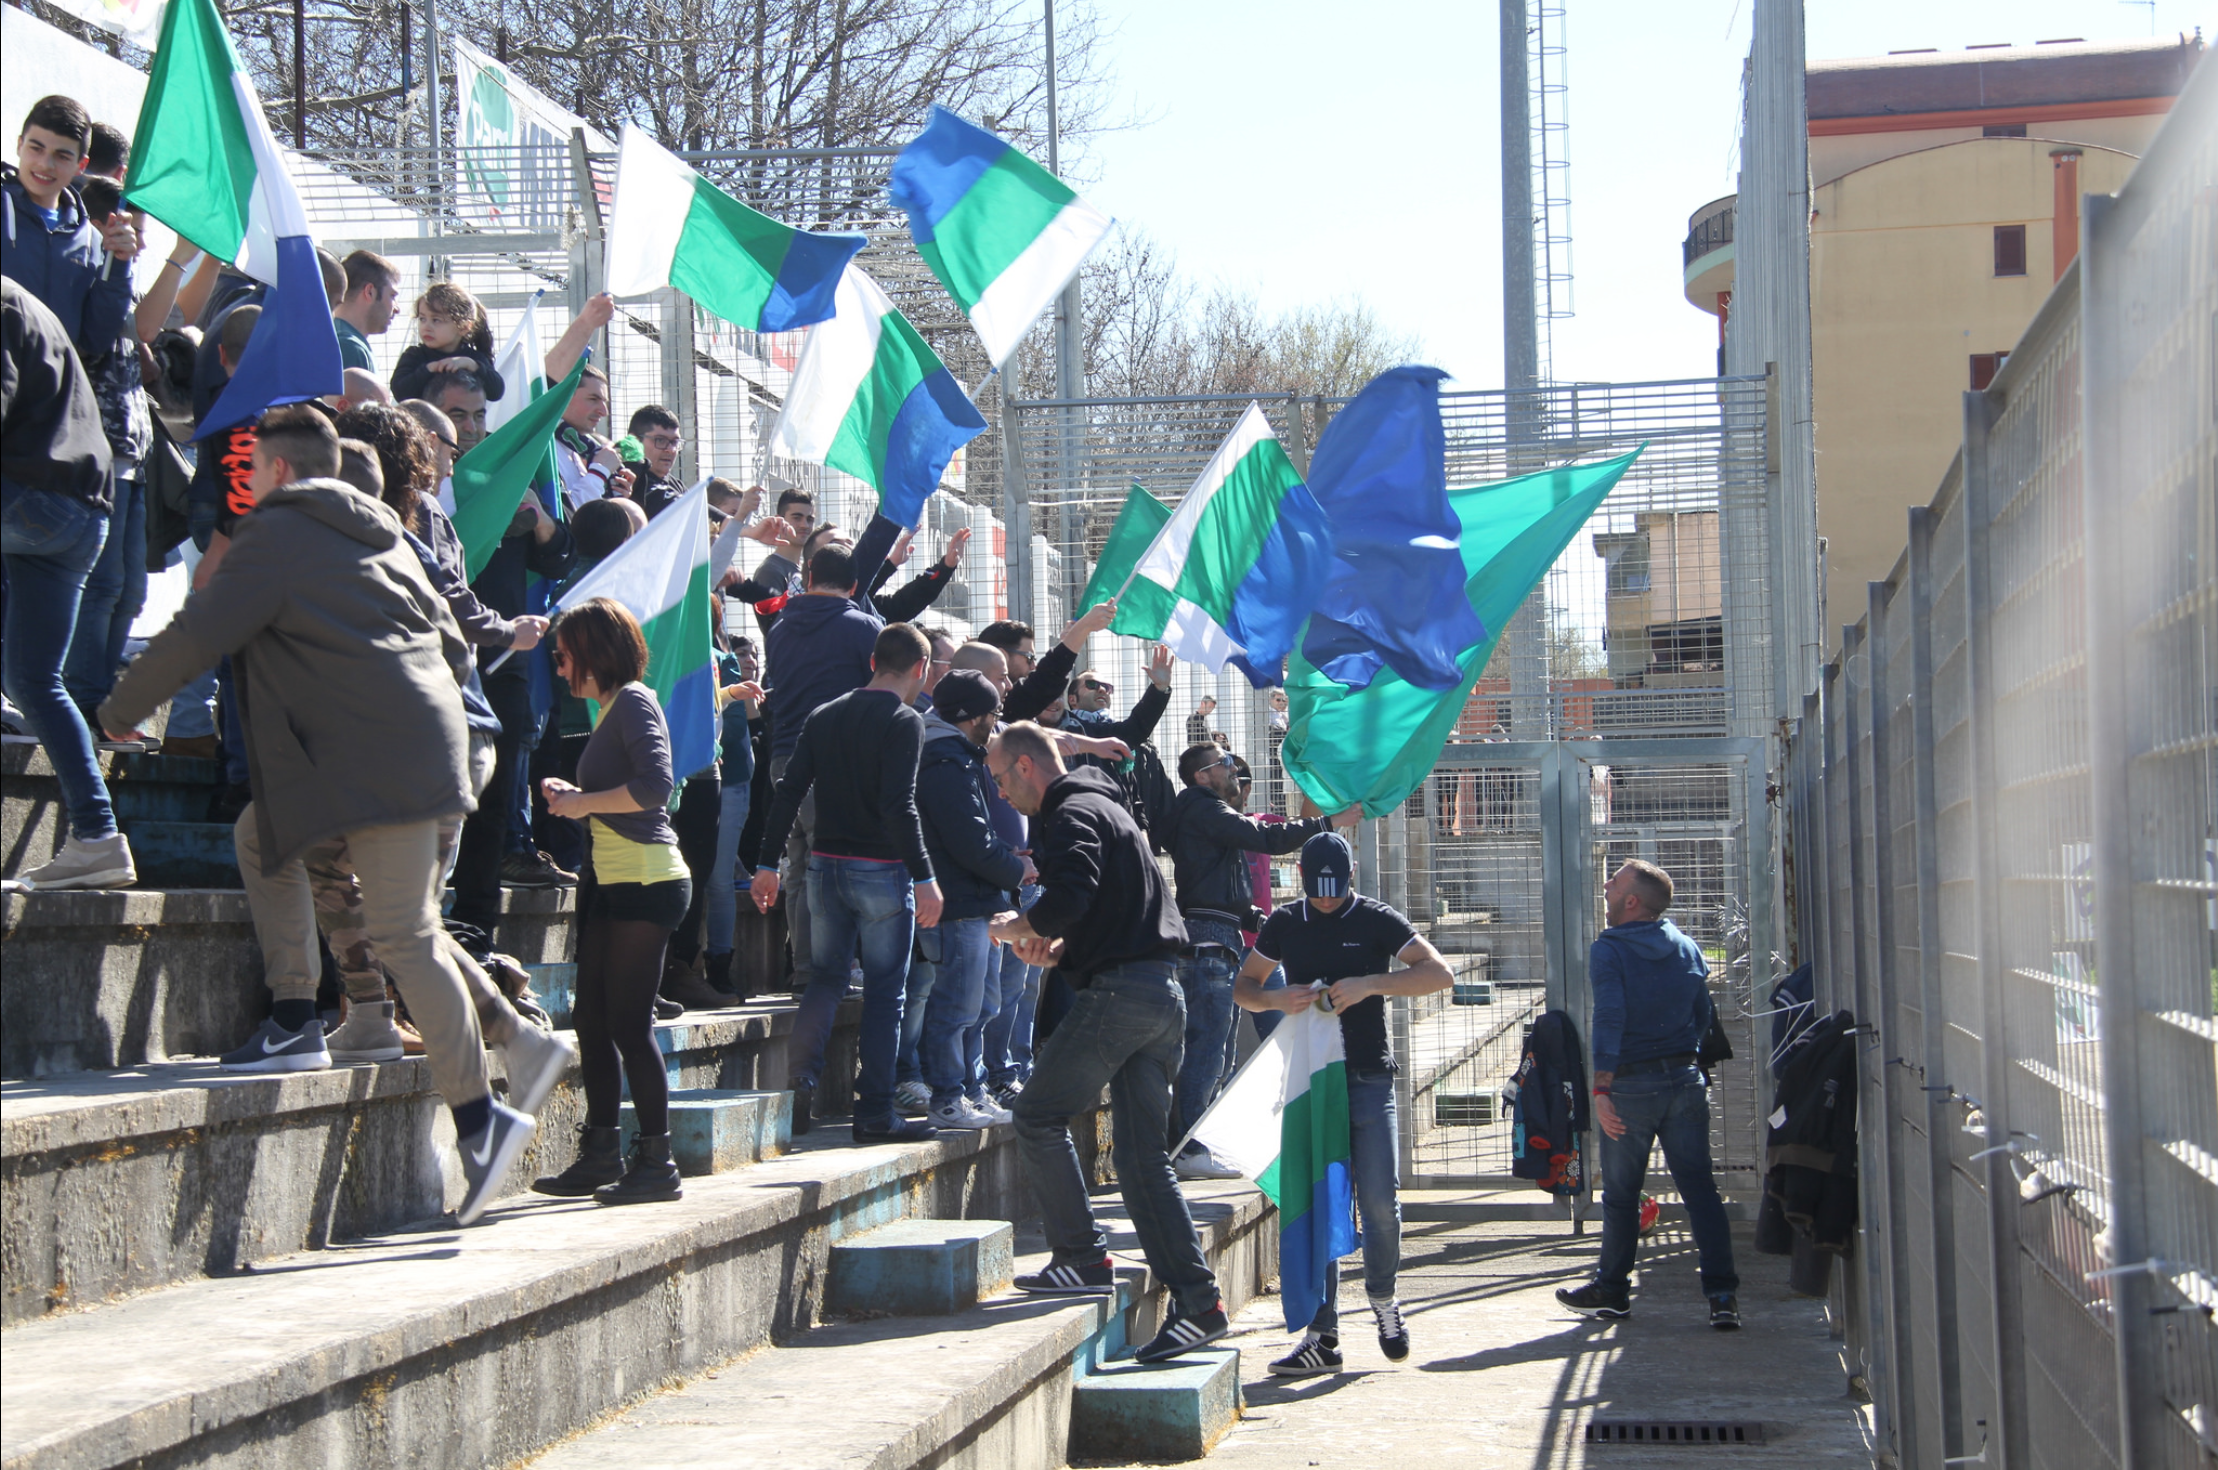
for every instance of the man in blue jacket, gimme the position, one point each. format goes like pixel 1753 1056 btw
pixel 48 243
pixel 1651 1009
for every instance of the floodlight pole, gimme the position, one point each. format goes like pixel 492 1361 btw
pixel 1070 371
pixel 1523 648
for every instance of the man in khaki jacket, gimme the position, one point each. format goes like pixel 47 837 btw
pixel 348 667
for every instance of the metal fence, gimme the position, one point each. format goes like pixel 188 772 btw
pixel 2004 814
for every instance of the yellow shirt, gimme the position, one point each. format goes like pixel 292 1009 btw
pixel 621 860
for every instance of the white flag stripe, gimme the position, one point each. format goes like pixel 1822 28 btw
pixel 1165 560
pixel 835 363
pixel 1196 638
pixel 522 368
pixel 650 573
pixel 1015 298
pixel 1243 1128
pixel 654 194
pixel 273 209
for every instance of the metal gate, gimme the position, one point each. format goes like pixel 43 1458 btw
pixel 1507 848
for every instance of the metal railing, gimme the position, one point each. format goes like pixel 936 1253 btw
pixel 1712 233
pixel 2004 814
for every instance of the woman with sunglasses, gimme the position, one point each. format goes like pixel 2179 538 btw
pixel 635 891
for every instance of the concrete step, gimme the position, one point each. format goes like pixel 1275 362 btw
pixel 921 1268
pixel 995 1387
pixel 187 854
pixel 714 1130
pixel 118 979
pixel 112 1183
pixel 442 1347
pixel 141 788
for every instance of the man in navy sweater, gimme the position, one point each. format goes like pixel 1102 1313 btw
pixel 1651 1008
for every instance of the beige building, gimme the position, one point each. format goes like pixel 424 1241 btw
pixel 1662 601
pixel 1944 204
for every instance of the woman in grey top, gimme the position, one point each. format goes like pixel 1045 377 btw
pixel 634 892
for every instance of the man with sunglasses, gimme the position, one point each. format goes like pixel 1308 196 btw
pixel 1090 693
pixel 1209 841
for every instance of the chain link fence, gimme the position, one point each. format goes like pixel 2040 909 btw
pixel 2004 814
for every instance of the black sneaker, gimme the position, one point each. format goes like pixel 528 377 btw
pixel 1099 1279
pixel 667 1009
pixel 1319 1353
pixel 274 1049
pixel 1599 1301
pixel 534 870
pixel 804 1106
pixel 1393 1331
pixel 486 1156
pixel 894 1129
pixel 1182 1334
pixel 1725 1312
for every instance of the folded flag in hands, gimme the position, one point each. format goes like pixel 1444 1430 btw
pixel 1002 233
pixel 671 227
pixel 662 576
pixel 491 480
pixel 869 397
pixel 1283 1121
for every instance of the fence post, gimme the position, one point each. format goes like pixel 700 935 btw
pixel 1886 1016
pixel 678 374
pixel 1873 1282
pixel 1933 1027
pixel 1016 496
pixel 2007 1431
pixel 586 249
pixel 2112 828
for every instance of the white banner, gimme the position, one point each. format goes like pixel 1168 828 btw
pixel 512 145
pixel 137 21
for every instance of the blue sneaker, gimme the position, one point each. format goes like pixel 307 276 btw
pixel 486 1155
pixel 274 1049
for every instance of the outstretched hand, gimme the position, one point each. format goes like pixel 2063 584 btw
pixel 1095 618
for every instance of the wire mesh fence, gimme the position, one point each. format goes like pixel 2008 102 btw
pixel 2005 813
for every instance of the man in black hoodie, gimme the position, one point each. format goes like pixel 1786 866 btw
pixel 1210 843
pixel 1105 919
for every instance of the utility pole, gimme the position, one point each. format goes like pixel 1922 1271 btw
pixel 1523 647
pixel 1070 370
pixel 435 176
pixel 300 75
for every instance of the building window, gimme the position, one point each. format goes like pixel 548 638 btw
pixel 2003 130
pixel 1628 568
pixel 2009 250
pixel 1984 367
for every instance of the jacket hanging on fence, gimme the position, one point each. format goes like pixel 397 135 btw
pixel 1810 1158
pixel 1548 1103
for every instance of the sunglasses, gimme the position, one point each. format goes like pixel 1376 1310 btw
pixel 1093 684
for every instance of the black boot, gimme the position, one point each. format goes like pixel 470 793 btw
pixel 600 1161
pixel 717 967
pixel 649 1176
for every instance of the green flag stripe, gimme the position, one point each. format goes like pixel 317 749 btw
pixel 728 255
pixel 1231 532
pixel 492 479
pixel 901 362
pixel 1002 214
pixel 1129 537
pixel 1313 1133
pixel 195 171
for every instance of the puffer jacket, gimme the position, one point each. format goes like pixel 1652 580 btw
pixel 349 665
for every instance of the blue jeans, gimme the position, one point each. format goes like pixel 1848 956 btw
pixel 1124 1030
pixel 1008 1040
pixel 190 712
pixel 50 542
pixel 959 951
pixel 916 1000
pixel 114 593
pixel 1673 1109
pixel 1206 979
pixel 870 908
pixel 731 820
pixel 1374 1157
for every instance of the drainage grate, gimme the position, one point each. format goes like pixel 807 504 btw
pixel 1671 1432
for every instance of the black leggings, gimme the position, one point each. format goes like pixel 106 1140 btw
pixel 619 971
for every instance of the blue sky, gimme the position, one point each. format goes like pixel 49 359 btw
pixel 1305 151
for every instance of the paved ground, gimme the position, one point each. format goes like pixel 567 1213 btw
pixel 1504 1376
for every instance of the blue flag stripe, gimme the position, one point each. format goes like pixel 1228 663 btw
pixel 293 354
pixel 934 421
pixel 1324 1233
pixel 1275 598
pixel 936 170
pixel 808 281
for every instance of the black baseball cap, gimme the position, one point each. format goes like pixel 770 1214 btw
pixel 963 695
pixel 1328 866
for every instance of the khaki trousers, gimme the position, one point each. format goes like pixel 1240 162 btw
pixel 398 869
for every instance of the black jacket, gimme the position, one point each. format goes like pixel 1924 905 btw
pixel 1209 843
pixel 503 583
pixel 1810 1154
pixel 860 753
pixel 50 433
pixel 1100 891
pixel 1549 1105
pixel 976 869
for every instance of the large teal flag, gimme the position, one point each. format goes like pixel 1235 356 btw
pixel 1375 745
pixel 491 480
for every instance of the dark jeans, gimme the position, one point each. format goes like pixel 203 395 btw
pixel 189 714
pixel 114 592
pixel 955 1016
pixel 1126 1031
pixel 50 542
pixel 1206 979
pixel 695 823
pixel 871 908
pixel 477 865
pixel 1374 1158
pixel 1672 1109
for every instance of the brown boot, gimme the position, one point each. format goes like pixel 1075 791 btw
pixel 680 984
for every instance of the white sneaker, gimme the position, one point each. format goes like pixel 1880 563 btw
pixel 1199 1163
pixel 913 1098
pixel 993 1109
pixel 537 1060
pixel 105 863
pixel 963 1113
pixel 366 1035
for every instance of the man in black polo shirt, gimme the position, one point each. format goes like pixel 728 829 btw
pixel 1346 942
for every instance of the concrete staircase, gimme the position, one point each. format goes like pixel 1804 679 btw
pixel 161 803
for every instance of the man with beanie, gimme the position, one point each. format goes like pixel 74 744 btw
pixel 978 871
pixel 1337 948
pixel 1651 1009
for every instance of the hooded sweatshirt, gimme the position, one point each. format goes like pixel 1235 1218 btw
pixel 977 870
pixel 349 667
pixel 819 649
pixel 1651 994
pixel 50 434
pixel 1100 890
pixel 67 267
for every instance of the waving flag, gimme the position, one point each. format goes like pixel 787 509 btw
pixel 203 161
pixel 674 228
pixel 1376 743
pixel 492 478
pixel 1394 599
pixel 1283 1121
pixel 870 398
pixel 662 576
pixel 1234 569
pixel 1142 604
pixel 1002 233
pixel 523 367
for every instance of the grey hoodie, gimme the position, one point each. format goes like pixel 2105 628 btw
pixel 349 665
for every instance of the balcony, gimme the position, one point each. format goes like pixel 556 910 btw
pixel 1707 255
